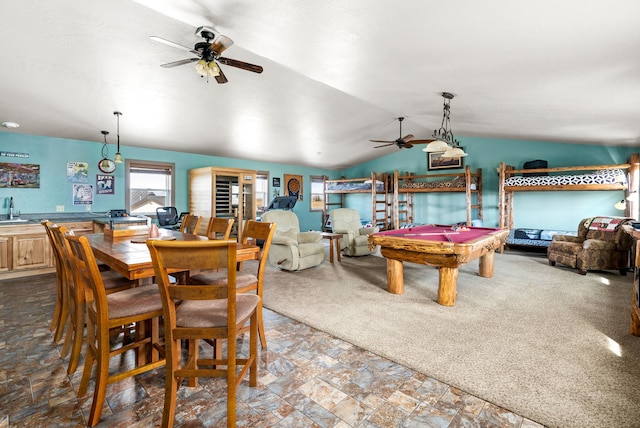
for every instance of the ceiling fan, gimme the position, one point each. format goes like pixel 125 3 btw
pixel 207 55
pixel 405 142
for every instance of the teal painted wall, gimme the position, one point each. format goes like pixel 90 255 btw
pixel 52 155
pixel 550 210
pixel 544 210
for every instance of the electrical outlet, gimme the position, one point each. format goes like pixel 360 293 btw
pixel 87 207
pixel 59 208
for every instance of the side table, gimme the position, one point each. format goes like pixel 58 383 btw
pixel 333 237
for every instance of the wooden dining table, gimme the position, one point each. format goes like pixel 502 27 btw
pixel 130 255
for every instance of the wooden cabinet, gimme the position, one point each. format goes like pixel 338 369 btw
pixel 5 253
pixel 31 251
pixel 25 249
pixel 223 192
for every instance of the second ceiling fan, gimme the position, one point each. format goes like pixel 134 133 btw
pixel 405 142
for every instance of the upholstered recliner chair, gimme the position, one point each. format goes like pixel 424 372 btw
pixel 355 238
pixel 601 244
pixel 290 248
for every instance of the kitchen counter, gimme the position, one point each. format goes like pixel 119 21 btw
pixel 121 220
pixel 98 218
pixel 24 245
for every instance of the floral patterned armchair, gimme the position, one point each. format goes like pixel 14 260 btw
pixel 601 244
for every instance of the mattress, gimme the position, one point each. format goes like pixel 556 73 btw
pixel 349 186
pixel 534 237
pixel 456 182
pixel 607 176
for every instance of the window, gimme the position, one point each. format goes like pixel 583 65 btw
pixel 317 192
pixel 148 185
pixel 262 190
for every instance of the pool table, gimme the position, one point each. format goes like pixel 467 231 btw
pixel 446 247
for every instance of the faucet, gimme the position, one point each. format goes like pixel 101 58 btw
pixel 11 208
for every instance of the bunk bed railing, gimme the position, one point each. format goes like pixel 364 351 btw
pixel 377 185
pixel 430 183
pixel 506 190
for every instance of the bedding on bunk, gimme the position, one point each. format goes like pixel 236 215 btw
pixel 346 186
pixel 534 237
pixel 605 176
pixel 456 182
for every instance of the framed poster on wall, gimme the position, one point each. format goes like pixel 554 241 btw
pixel 293 185
pixel 19 175
pixel 435 160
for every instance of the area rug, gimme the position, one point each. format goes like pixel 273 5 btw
pixel 541 341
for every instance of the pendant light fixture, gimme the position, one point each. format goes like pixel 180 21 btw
pixel 444 139
pixel 118 157
pixel 106 165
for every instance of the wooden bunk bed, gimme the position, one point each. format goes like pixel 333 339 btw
pixel 572 178
pixel 335 192
pixel 407 185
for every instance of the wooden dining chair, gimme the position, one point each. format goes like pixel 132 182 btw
pixel 60 309
pixel 140 306
pixel 76 296
pixel 204 312
pixel 220 227
pixel 190 224
pixel 247 282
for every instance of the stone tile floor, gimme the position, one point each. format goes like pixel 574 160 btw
pixel 306 379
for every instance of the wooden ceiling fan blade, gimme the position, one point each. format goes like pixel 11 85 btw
pixel 221 78
pixel 172 44
pixel 406 146
pixel 240 64
pixel 382 141
pixel 180 62
pixel 384 145
pixel 421 141
pixel 221 43
pixel 407 138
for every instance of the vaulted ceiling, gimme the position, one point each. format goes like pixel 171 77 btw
pixel 336 73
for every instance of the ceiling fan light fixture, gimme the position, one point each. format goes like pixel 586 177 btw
pixel 214 69
pixel 202 68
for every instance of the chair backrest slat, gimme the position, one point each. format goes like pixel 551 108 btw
pixel 190 224
pixel 194 255
pixel 220 227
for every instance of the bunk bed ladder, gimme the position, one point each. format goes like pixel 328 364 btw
pixel 403 203
pixel 469 193
pixel 380 200
pixel 329 204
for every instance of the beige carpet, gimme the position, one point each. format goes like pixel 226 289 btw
pixel 541 341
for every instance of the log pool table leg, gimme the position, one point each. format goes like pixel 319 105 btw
pixel 395 279
pixel 486 265
pixel 447 286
